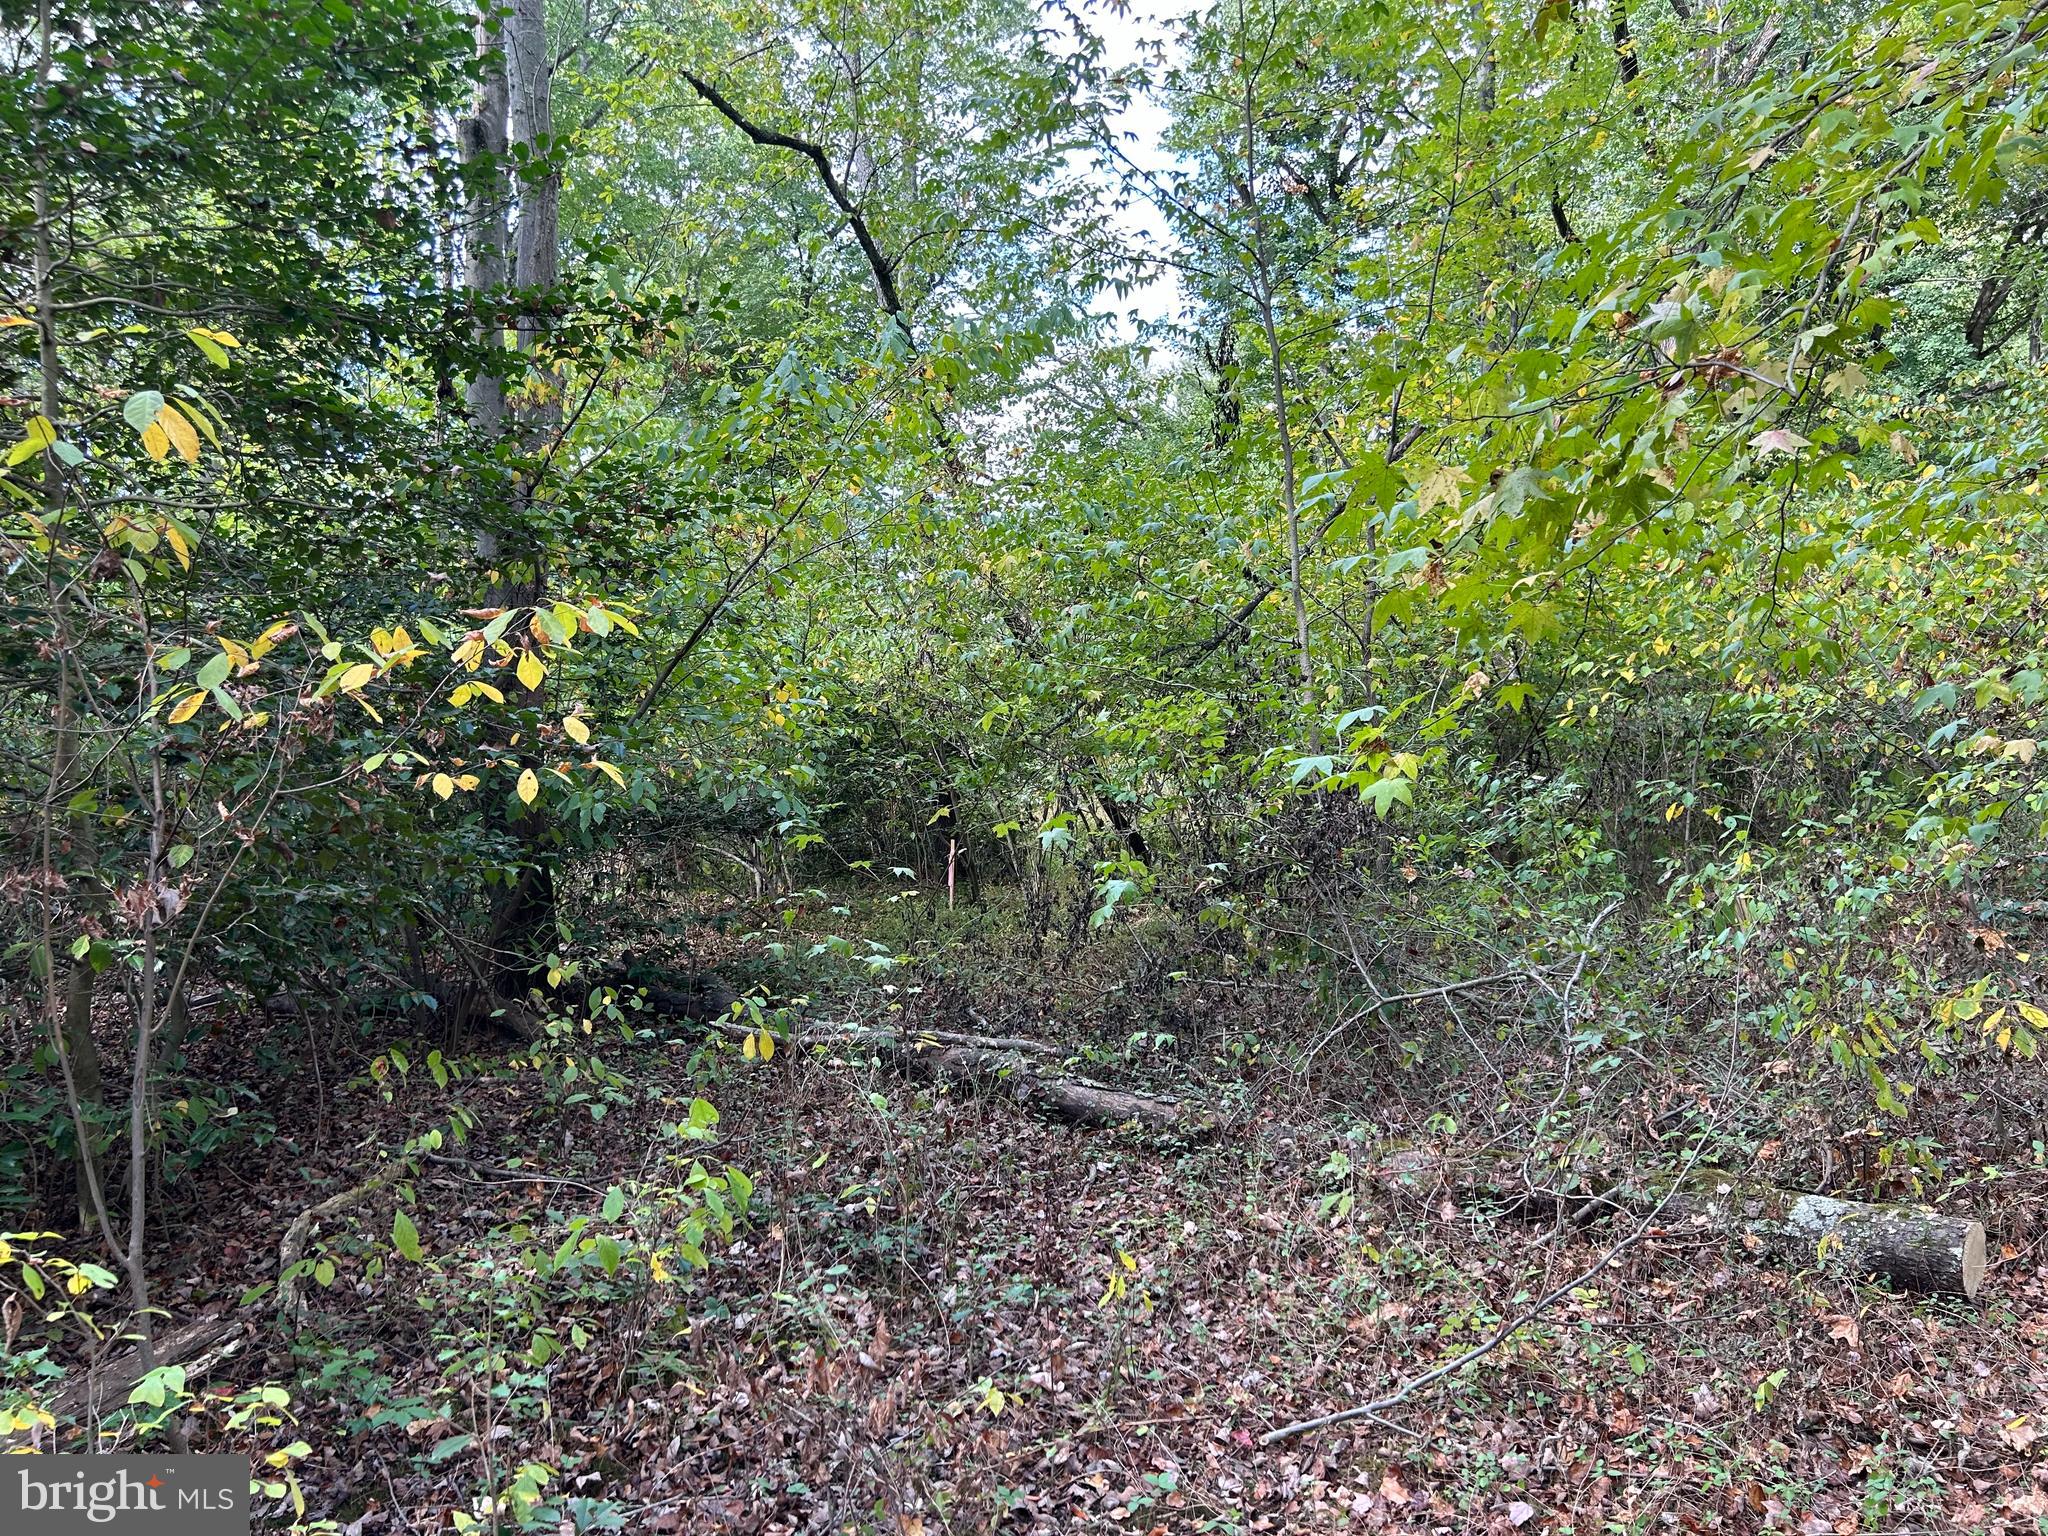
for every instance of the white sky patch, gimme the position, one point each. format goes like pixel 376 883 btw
pixel 1128 41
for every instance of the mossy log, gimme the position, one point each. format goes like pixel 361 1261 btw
pixel 1911 1247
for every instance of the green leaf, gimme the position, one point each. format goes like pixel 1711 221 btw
pixel 405 1237
pixel 166 1381
pixel 216 670
pixel 141 407
pixel 215 353
pixel 614 1203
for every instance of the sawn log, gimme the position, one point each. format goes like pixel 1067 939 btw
pixel 1912 1247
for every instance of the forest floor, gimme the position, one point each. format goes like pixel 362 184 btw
pixel 947 1315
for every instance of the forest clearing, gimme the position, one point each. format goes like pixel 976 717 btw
pixel 987 766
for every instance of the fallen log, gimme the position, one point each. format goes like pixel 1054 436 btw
pixel 1911 1247
pixel 291 1289
pixel 697 1000
pixel 199 1346
pixel 1019 1066
pixel 846 1029
pixel 1071 1100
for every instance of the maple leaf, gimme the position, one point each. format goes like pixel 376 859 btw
pixel 1442 486
pixel 1778 440
pixel 1846 380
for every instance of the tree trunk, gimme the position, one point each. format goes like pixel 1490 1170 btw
pixel 481 142
pixel 537 262
pixel 82 1053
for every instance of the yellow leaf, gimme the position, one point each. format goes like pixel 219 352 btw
pixel 767 1046
pixel 154 442
pixel 609 771
pixel 530 671
pixel 470 653
pixel 577 730
pixel 750 1048
pixel 188 707
pixel 236 653
pixel 356 676
pixel 178 545
pixel 443 785
pixel 490 693
pixel 179 431
pixel 529 786
pixel 1441 487
pixel 467 781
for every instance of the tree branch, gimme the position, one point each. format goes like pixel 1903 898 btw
pixel 1237 621
pixel 880 266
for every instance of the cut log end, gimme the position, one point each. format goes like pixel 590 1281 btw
pixel 1910 1247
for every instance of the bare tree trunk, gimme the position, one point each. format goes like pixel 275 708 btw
pixel 537 260
pixel 482 145
pixel 521 925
